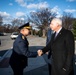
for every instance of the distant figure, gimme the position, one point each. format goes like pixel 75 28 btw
pixel 19 58
pixel 49 34
pixel 0 42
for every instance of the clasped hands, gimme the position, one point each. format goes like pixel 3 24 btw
pixel 39 52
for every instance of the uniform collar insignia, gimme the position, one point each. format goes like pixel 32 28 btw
pixel 23 37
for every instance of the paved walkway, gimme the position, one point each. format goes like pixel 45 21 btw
pixel 36 66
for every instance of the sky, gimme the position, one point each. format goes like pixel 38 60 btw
pixel 12 9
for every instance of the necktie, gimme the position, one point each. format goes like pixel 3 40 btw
pixel 55 35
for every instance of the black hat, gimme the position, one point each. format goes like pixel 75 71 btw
pixel 25 26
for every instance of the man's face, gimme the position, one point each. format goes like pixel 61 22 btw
pixel 26 31
pixel 53 25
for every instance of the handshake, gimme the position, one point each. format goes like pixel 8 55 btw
pixel 39 52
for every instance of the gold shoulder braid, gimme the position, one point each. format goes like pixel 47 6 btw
pixel 23 37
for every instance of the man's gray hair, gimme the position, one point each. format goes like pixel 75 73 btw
pixel 57 20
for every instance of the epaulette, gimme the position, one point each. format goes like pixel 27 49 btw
pixel 23 37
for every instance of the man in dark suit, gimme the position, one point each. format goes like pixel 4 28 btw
pixel 20 53
pixel 61 48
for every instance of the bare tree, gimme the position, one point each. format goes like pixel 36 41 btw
pixel 74 28
pixel 7 28
pixel 16 23
pixel 67 20
pixel 1 20
pixel 41 18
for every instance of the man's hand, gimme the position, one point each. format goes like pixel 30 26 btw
pixel 39 52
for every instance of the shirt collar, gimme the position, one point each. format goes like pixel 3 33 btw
pixel 59 30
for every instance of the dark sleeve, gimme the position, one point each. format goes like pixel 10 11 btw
pixel 24 50
pixel 70 44
pixel 47 47
pixel 47 40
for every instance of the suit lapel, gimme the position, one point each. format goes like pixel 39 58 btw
pixel 52 38
pixel 59 34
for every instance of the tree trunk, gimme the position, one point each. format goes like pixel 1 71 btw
pixel 44 32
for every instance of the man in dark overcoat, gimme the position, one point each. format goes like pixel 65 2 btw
pixel 20 51
pixel 0 42
pixel 62 48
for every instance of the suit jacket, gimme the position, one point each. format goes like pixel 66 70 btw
pixel 62 51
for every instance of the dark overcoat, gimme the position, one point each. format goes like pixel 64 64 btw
pixel 62 50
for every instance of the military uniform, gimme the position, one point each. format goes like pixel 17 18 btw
pixel 20 53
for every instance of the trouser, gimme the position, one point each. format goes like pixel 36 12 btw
pixel 17 63
pixel 17 70
pixel 49 67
